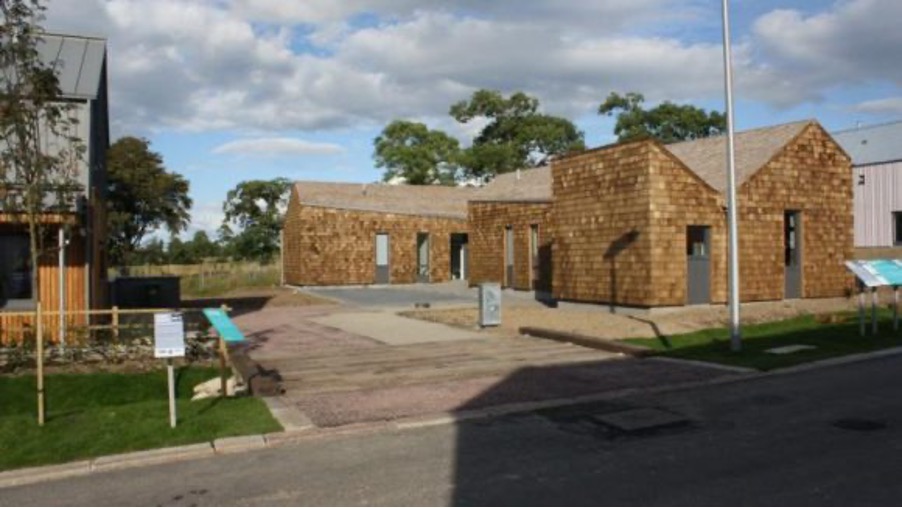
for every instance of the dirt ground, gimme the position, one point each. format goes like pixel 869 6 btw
pixel 598 321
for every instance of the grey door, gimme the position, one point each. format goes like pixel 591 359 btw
pixel 792 254
pixel 698 255
pixel 534 254
pixel 422 257
pixel 382 259
pixel 508 256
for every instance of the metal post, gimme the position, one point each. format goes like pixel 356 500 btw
pixel 861 321
pixel 874 311
pixel 223 354
pixel 732 205
pixel 895 308
pixel 62 287
pixel 172 407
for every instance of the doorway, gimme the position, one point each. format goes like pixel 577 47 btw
pixel 534 255
pixel 698 259
pixel 459 256
pixel 422 257
pixel 508 256
pixel 792 254
pixel 383 272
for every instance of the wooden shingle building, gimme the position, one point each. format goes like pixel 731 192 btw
pixel 636 224
pixel 644 224
pixel 510 231
pixel 351 233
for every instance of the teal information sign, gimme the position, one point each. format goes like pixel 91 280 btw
pixel 877 272
pixel 223 325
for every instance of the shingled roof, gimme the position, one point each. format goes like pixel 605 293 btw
pixel 707 157
pixel 524 185
pixel 427 200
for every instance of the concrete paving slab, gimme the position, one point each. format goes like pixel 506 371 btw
pixel 239 443
pixel 149 457
pixel 43 473
pixel 290 417
pixel 394 330
pixel 641 419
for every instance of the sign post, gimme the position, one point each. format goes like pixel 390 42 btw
pixel 169 343
pixel 227 332
pixel 871 275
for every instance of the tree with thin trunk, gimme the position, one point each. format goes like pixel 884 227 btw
pixel 39 151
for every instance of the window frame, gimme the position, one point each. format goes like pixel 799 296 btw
pixel 18 304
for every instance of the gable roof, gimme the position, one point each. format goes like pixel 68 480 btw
pixel 872 144
pixel 707 157
pixel 427 200
pixel 524 185
pixel 79 63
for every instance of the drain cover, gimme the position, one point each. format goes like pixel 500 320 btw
pixel 641 419
pixel 860 425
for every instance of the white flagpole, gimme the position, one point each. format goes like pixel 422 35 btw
pixel 732 205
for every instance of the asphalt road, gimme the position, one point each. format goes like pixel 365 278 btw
pixel 826 437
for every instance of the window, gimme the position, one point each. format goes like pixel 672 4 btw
pixel 897 228
pixel 15 271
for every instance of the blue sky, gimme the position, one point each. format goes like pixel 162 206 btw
pixel 255 89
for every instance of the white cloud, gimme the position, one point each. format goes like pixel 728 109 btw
pixel 265 66
pixel 851 43
pixel 277 147
pixel 886 106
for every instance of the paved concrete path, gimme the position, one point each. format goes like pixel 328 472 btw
pixel 341 366
pixel 394 330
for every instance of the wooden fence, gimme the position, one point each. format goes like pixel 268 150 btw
pixel 83 327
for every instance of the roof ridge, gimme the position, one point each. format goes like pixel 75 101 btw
pixel 868 127
pixel 73 36
pixel 747 131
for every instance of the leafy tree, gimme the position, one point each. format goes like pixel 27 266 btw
pixel 40 153
pixel 420 156
pixel 257 208
pixel 142 197
pixel 517 135
pixel 152 252
pixel 666 122
pixel 202 247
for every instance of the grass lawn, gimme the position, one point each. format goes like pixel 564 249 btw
pixel 837 338
pixel 90 415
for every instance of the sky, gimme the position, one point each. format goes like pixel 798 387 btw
pixel 234 90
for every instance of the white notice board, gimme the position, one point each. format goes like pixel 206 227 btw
pixel 168 335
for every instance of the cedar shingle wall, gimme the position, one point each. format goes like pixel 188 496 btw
pixel 327 246
pixel 602 195
pixel 486 242
pixel 601 250
pixel 813 176
pixel 680 199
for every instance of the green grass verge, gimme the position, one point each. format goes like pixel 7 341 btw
pixel 89 415
pixel 838 338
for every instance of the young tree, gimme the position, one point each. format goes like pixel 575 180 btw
pixel 416 154
pixel 516 136
pixel 666 122
pixel 142 197
pixel 257 208
pixel 39 150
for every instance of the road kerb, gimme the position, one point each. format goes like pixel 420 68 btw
pixel 29 475
pixel 150 457
pixel 239 443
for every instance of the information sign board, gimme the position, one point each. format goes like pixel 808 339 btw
pixel 168 335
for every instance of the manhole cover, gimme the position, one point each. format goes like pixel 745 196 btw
pixel 640 420
pixel 859 424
